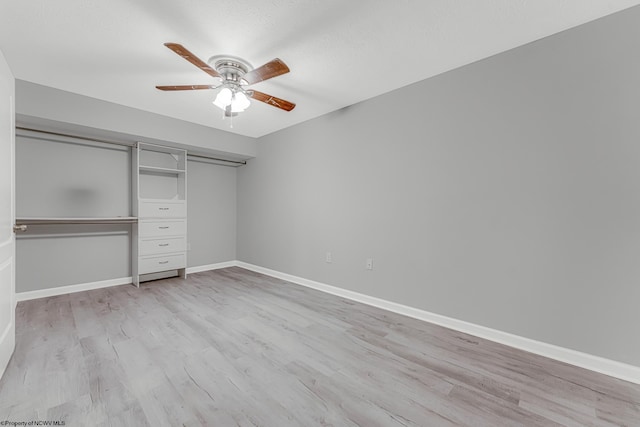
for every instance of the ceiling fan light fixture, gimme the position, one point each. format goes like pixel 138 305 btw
pixel 235 98
pixel 223 99
pixel 239 102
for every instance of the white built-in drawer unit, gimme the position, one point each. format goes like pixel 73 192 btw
pixel 153 264
pixel 162 209
pixel 162 246
pixel 160 203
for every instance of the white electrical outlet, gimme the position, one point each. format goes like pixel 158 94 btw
pixel 328 258
pixel 369 264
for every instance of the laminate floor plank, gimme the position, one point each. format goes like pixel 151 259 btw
pixel 233 347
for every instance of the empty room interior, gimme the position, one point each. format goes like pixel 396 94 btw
pixel 301 213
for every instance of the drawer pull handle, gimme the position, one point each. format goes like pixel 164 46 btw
pixel 163 244
pixel 164 209
pixel 163 262
pixel 164 228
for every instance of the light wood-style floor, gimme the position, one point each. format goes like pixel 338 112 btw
pixel 232 347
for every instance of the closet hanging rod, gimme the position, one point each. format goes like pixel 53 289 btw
pixel 200 156
pixel 124 144
pixel 61 221
pixel 86 138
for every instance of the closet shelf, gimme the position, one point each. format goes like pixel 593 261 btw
pixel 78 220
pixel 155 169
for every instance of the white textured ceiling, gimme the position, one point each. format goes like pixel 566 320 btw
pixel 339 52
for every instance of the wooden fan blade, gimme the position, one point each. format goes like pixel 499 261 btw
pixel 269 70
pixel 183 52
pixel 186 87
pixel 272 100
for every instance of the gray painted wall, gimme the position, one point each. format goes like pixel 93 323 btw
pixel 505 193
pixel 68 179
pixel 63 179
pixel 211 227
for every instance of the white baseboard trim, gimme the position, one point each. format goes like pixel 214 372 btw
pixel 594 363
pixel 70 289
pixel 208 267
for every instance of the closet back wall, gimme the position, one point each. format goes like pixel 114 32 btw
pixel 64 177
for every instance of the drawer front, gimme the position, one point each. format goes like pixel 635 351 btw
pixel 162 228
pixel 154 264
pixel 162 246
pixel 162 210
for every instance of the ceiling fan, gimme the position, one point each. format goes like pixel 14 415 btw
pixel 236 74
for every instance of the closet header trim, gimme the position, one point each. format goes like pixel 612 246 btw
pixel 234 163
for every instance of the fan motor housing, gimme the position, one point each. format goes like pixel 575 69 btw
pixel 231 68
